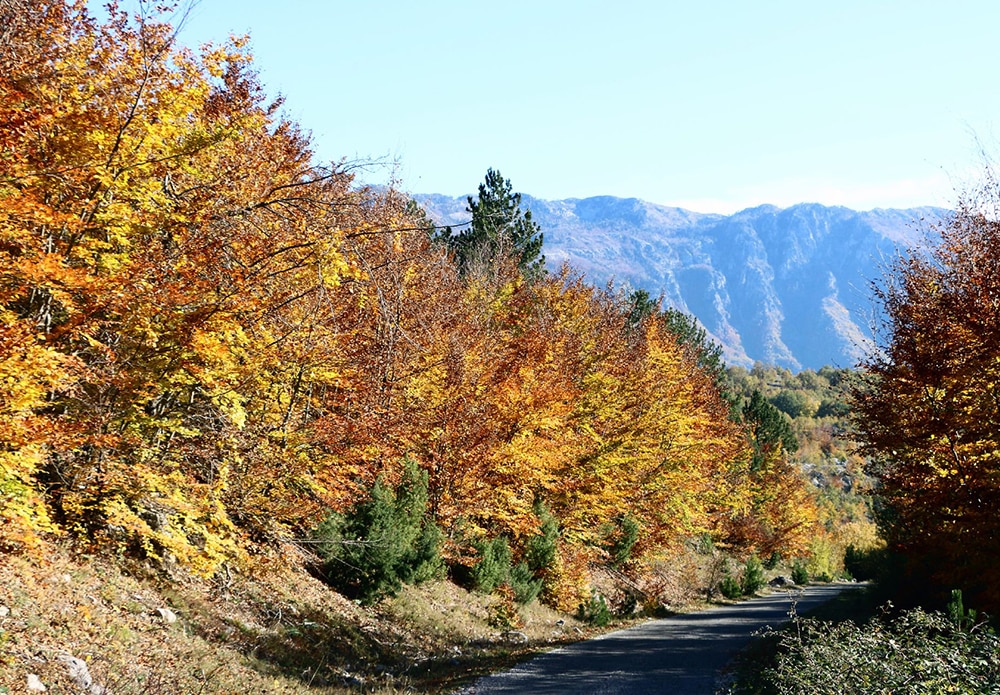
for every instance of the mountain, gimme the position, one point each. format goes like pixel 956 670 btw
pixel 784 286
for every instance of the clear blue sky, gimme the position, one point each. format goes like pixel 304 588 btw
pixel 712 105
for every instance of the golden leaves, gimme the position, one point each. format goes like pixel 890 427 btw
pixel 235 339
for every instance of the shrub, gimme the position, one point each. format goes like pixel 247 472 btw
pixel 540 550
pixel 523 582
pixel 493 568
pixel 730 586
pixel 495 571
pixel 425 562
pixel 704 544
pixel 503 613
pixel 368 552
pixel 541 554
pixel 595 611
pixel 626 536
pixel 800 572
pixel 752 580
pixel 525 579
pixel 962 618
pixel 916 653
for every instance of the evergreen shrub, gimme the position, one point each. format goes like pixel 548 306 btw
pixel 526 579
pixel 730 586
pixel 493 568
pixel 752 580
pixel 523 582
pixel 626 537
pixel 800 572
pixel 594 611
pixel 368 552
pixel 540 550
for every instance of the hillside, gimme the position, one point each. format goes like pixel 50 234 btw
pixel 788 287
pixel 214 375
pixel 76 624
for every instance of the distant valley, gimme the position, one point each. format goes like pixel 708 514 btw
pixel 789 287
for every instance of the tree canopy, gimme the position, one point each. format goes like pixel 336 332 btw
pixel 210 341
pixel 929 412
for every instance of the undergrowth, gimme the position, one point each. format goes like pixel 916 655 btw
pixel 285 631
pixel 913 651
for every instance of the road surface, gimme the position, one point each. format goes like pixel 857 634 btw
pixel 682 655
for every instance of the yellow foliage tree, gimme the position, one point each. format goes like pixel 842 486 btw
pixel 208 340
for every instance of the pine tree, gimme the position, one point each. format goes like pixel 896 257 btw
pixel 499 228
pixel 768 429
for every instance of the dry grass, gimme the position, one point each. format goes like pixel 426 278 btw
pixel 93 612
pixel 284 633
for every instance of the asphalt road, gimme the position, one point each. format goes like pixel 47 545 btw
pixel 682 655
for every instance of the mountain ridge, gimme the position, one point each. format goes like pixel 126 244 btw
pixel 784 286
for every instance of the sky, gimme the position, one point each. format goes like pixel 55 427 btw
pixel 711 105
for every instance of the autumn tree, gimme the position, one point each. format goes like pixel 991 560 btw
pixel 655 437
pixel 163 303
pixel 16 17
pixel 928 412
pixel 209 341
pixel 779 513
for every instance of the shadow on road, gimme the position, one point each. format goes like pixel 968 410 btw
pixel 682 655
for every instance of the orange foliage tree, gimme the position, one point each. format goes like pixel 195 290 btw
pixel 928 413
pixel 208 340
pixel 778 514
pixel 166 239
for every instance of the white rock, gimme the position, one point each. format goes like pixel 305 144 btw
pixel 78 671
pixel 167 615
pixel 35 685
pixel 4 611
pixel 516 636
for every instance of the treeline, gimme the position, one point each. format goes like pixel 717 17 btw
pixel 209 342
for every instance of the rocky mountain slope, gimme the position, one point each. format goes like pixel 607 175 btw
pixel 789 287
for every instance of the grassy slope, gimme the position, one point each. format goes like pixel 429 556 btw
pixel 285 633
